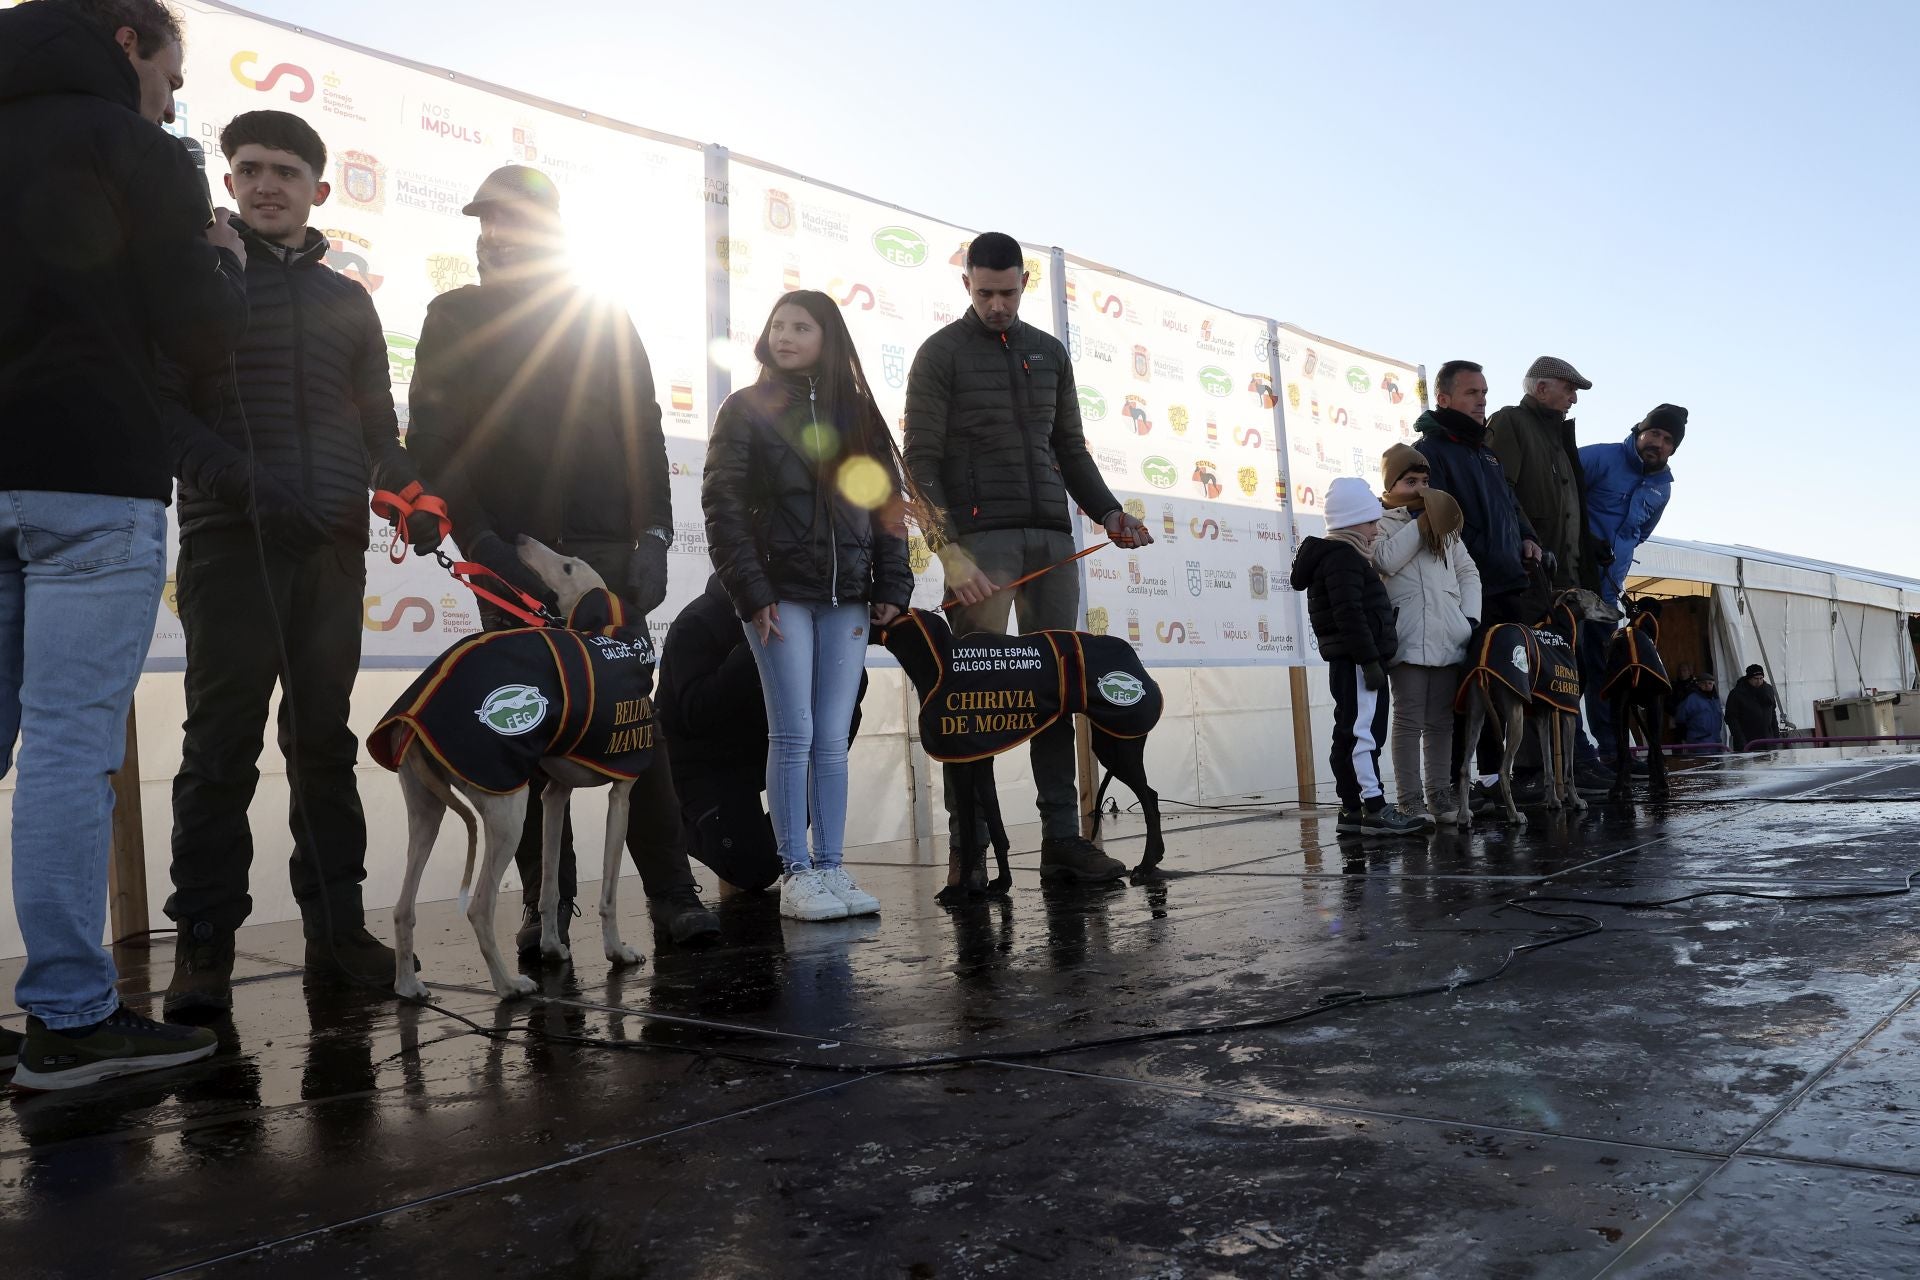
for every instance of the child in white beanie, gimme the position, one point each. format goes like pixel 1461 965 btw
pixel 1353 623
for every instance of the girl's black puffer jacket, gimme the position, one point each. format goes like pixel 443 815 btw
pixel 777 526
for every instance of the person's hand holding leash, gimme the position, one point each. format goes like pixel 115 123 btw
pixel 423 532
pixel 884 614
pixel 766 623
pixel 1126 531
pixel 967 583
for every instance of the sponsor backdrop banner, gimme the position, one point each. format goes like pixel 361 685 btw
pixel 1179 405
pixel 896 276
pixel 1179 412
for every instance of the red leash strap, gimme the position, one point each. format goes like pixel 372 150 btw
pixel 396 507
pixel 529 609
pixel 1037 573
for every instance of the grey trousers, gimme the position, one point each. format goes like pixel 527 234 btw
pixel 1422 720
pixel 1049 602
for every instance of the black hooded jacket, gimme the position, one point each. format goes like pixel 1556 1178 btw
pixel 993 435
pixel 101 213
pixel 533 412
pixel 777 528
pixel 1353 619
pixel 309 383
pixel 1461 463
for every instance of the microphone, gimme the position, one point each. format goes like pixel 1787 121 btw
pixel 198 154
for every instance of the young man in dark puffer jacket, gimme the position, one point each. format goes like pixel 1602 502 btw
pixel 994 440
pixel 291 433
pixel 1353 624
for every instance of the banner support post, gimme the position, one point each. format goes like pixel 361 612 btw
pixel 1296 671
pixel 1085 767
pixel 716 253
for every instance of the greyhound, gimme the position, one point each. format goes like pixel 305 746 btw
pixel 1547 707
pixel 1102 679
pixel 1636 686
pixel 430 786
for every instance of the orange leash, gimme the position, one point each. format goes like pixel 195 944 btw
pixel 1037 573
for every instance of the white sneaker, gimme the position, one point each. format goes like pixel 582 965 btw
pixel 805 896
pixel 857 900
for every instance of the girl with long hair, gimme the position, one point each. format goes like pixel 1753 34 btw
pixel 806 501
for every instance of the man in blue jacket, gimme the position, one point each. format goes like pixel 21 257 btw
pixel 1628 485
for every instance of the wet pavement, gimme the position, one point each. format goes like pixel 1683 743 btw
pixel 1721 1087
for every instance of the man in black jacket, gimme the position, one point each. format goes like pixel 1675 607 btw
pixel 1453 437
pixel 290 434
pixel 534 414
pixel 711 709
pixel 110 256
pixel 994 440
pixel 1753 709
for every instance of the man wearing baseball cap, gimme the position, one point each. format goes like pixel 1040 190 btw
pixel 534 415
pixel 1535 444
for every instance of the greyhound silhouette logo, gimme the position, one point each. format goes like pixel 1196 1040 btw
pixel 513 709
pixel 1520 659
pixel 1121 689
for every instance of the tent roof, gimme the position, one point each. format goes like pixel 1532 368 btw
pixel 1736 550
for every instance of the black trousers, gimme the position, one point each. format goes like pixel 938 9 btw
pixel 732 834
pixel 1359 729
pixel 656 838
pixel 233 665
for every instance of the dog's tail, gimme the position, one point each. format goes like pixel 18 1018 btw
pixel 449 797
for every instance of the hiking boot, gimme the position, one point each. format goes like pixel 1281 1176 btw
pixel 202 971
pixel 355 956
pixel 10 1042
pixel 1592 776
pixel 1352 822
pixel 681 913
pixel 527 940
pixel 805 896
pixel 1390 821
pixel 858 901
pixel 1484 798
pixel 1075 858
pixel 1446 810
pixel 1418 812
pixel 121 1044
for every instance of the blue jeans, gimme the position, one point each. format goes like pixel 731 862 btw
pixel 810 678
pixel 80 579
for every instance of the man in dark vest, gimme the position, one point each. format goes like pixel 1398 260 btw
pixel 290 434
pixel 994 440
pixel 534 414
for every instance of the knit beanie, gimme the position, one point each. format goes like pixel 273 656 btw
pixel 1351 501
pixel 1397 461
pixel 1670 418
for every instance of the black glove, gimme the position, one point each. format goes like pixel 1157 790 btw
pixel 493 554
pixel 1374 675
pixel 285 520
pixel 1473 624
pixel 647 575
pixel 1604 557
pixel 423 532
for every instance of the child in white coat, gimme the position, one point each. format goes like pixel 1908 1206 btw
pixel 1435 587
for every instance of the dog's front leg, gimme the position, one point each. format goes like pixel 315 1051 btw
pixel 1569 727
pixel 1656 757
pixel 503 817
pixel 1622 747
pixel 553 817
pixel 1546 732
pixel 619 801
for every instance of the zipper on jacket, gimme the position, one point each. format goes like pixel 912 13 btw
pixel 833 521
pixel 299 380
pixel 1020 392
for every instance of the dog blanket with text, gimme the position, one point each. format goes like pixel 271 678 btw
pixel 1633 657
pixel 995 692
pixel 494 705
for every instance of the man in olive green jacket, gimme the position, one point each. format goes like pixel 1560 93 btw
pixel 1534 442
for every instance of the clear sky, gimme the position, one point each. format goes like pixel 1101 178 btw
pixel 1708 203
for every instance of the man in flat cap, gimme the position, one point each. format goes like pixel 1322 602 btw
pixel 534 414
pixel 1534 442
